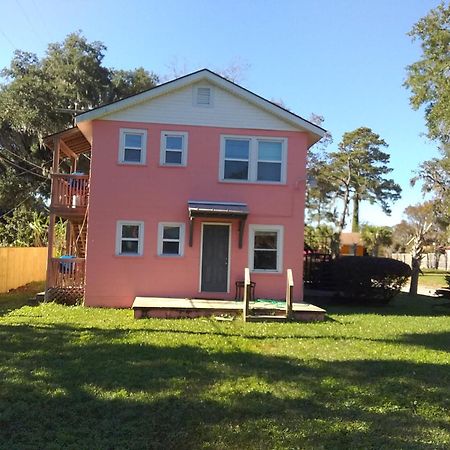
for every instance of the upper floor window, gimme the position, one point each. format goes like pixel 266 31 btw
pixel 133 146
pixel 173 148
pixel 129 238
pixel 170 239
pixel 236 159
pixel 253 159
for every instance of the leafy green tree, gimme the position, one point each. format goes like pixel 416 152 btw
pixel 428 78
pixel 322 239
pixel 375 237
pixel 127 82
pixel 34 98
pixel 28 228
pixel 320 193
pixel 358 171
pixel 428 81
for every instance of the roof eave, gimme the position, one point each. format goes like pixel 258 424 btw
pixel 315 132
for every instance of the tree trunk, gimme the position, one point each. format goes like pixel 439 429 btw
pixel 355 218
pixel 415 270
pixel 416 259
pixel 346 183
pixel 344 212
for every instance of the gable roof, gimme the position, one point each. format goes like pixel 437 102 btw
pixel 314 131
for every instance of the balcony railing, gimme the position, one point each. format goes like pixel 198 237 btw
pixel 70 191
pixel 66 273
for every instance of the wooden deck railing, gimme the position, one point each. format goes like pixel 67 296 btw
pixel 67 272
pixel 289 292
pixel 70 191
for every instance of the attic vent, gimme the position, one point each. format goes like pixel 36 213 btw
pixel 203 97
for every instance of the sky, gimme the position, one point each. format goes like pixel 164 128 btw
pixel 342 59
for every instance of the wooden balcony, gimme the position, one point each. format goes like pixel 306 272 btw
pixel 65 280
pixel 70 195
pixel 66 273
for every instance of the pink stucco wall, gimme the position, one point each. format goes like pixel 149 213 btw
pixel 154 194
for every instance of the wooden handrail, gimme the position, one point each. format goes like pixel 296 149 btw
pixel 70 190
pixel 247 293
pixel 289 292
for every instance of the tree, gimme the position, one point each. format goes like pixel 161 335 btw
pixel 358 171
pixel 421 220
pixel 34 99
pixel 322 239
pixel 320 192
pixel 428 81
pixel 375 237
pixel 435 177
pixel 401 236
pixel 428 78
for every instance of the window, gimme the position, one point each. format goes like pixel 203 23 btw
pixel 270 157
pixel 236 159
pixel 266 247
pixel 170 239
pixel 253 159
pixel 173 148
pixel 203 96
pixel 132 149
pixel 129 238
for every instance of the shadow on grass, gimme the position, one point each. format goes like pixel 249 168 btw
pixel 19 297
pixel 433 341
pixel 402 305
pixel 67 387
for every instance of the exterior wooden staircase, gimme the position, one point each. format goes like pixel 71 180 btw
pixel 79 238
pixel 265 313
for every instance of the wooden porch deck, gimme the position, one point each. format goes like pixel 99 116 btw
pixel 177 308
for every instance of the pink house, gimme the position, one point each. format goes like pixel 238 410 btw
pixel 189 183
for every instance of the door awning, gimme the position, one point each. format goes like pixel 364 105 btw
pixel 220 210
pixel 217 209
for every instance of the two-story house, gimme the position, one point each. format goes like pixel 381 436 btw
pixel 189 183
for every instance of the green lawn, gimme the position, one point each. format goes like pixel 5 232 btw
pixel 433 279
pixel 78 378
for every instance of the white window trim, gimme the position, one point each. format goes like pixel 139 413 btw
pixel 143 133
pixel 119 225
pixel 161 226
pixel 279 229
pixel 184 150
pixel 195 96
pixel 253 159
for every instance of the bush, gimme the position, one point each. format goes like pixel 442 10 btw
pixel 367 279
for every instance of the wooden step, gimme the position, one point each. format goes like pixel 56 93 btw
pixel 266 318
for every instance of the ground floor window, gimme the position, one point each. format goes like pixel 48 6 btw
pixel 170 239
pixel 265 248
pixel 129 238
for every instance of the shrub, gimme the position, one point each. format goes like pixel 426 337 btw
pixel 367 279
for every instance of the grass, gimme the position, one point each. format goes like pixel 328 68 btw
pixel 433 279
pixel 80 378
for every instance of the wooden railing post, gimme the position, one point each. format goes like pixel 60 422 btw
pixel 51 226
pixel 289 293
pixel 247 294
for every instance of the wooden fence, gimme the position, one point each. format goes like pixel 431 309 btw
pixel 21 265
pixel 428 260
